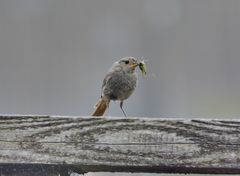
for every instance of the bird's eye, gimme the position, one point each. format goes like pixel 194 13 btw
pixel 126 62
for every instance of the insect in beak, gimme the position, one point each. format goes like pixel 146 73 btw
pixel 142 67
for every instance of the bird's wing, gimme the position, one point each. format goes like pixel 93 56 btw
pixel 107 78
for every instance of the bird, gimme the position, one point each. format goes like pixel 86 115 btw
pixel 118 84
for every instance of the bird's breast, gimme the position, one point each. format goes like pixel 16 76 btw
pixel 120 85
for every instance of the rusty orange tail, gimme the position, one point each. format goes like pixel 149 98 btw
pixel 101 107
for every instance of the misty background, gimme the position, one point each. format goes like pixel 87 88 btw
pixel 54 55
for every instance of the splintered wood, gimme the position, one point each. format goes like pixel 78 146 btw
pixel 101 144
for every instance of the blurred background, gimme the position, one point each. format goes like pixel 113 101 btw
pixel 54 55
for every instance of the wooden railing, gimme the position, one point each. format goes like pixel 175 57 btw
pixel 87 144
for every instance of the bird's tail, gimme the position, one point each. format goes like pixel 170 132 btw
pixel 100 107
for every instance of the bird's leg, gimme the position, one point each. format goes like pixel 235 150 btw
pixel 121 106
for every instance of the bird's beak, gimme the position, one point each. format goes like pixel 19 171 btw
pixel 134 65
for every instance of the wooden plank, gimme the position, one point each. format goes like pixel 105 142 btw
pixel 122 144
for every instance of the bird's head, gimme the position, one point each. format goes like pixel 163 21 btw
pixel 127 64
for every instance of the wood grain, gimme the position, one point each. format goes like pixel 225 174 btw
pixel 122 144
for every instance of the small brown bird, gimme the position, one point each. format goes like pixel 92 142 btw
pixel 118 84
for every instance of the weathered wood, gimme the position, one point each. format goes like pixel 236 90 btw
pixel 122 144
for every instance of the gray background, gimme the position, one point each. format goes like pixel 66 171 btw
pixel 54 55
